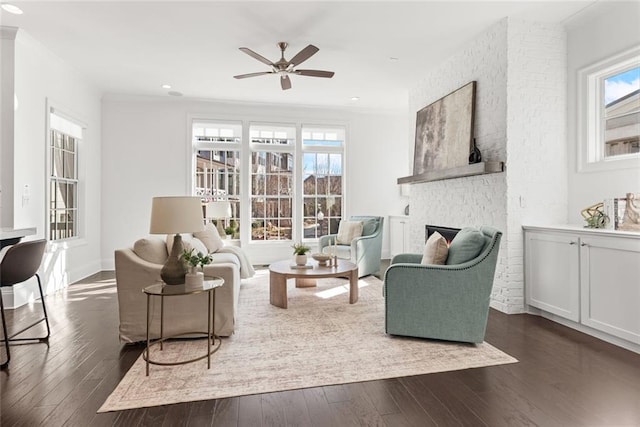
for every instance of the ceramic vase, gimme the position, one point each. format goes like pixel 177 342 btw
pixel 300 259
pixel 194 278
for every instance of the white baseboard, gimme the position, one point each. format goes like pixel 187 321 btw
pixel 586 329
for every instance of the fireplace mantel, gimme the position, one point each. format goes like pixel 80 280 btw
pixel 481 168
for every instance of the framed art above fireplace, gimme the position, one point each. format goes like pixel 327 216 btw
pixel 444 131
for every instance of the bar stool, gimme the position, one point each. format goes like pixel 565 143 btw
pixel 20 263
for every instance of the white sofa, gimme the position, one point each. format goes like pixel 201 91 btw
pixel 139 266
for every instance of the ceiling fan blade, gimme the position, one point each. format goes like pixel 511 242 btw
pixel 315 73
pixel 285 82
pixel 303 55
pixel 244 76
pixel 256 56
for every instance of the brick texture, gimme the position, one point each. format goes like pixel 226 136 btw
pixel 520 69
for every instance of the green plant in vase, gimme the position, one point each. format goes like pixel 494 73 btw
pixel 193 260
pixel 300 253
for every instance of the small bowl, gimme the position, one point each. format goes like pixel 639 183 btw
pixel 321 258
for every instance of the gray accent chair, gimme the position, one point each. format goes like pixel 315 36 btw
pixel 444 302
pixel 364 251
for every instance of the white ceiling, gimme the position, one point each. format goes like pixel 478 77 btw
pixel 135 47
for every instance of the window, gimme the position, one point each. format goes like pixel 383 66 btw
pixel 272 167
pixel 285 181
pixel 217 164
pixel 322 180
pixel 65 136
pixel 609 112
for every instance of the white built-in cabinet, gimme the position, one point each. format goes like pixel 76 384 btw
pixel 591 277
pixel 398 234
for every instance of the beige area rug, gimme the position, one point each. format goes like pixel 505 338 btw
pixel 319 340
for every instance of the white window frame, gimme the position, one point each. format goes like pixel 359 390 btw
pixel 79 237
pixel 317 149
pixel 591 144
pixel 289 148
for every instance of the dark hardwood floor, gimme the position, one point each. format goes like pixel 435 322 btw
pixel 563 378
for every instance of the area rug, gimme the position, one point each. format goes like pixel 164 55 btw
pixel 319 340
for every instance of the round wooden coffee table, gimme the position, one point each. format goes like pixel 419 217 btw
pixel 280 271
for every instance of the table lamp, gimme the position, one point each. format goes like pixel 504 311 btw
pixel 177 215
pixel 219 210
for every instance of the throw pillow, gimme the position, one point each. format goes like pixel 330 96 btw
pixel 347 231
pixel 435 250
pixel 467 245
pixel 210 238
pixel 369 227
pixel 188 242
pixel 152 250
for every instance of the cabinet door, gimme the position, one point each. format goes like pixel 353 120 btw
pixel 552 273
pixel 610 285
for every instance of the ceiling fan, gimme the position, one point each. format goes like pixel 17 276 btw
pixel 284 67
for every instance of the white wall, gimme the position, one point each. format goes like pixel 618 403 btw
pixel 519 68
pixel 42 76
pixel 145 154
pixel 602 31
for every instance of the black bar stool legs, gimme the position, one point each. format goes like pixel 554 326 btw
pixel 11 338
pixel 5 336
pixel 20 263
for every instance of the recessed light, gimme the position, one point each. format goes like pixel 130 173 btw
pixel 355 98
pixel 166 86
pixel 174 93
pixel 12 8
pixel 393 59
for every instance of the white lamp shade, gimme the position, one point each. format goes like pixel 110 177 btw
pixel 171 215
pixel 218 210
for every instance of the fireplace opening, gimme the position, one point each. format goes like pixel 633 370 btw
pixel 447 232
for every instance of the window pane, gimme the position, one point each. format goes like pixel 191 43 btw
pixel 322 184
pixel 58 162
pixel 272 184
pixel 257 184
pixel 622 113
pixel 335 164
pixel 69 165
pixel 286 208
pixel 323 164
pixel 257 208
pixel 335 185
pixel 61 194
pixel 309 185
pixel 258 229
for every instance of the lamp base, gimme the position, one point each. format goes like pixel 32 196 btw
pixel 220 228
pixel 173 270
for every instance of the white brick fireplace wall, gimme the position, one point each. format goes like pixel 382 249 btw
pixel 520 68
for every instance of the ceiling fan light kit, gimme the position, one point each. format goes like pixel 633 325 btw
pixel 283 67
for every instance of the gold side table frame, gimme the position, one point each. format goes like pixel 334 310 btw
pixel 162 290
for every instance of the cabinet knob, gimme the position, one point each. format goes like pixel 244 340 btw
pixel 583 244
pixel 572 243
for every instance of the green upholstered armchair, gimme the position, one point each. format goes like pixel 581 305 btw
pixel 364 251
pixel 445 302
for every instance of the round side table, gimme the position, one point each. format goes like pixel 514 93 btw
pixel 162 290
